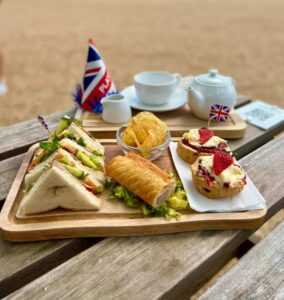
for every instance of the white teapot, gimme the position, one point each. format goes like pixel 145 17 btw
pixel 209 89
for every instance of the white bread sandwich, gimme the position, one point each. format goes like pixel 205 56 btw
pixel 58 188
pixel 83 138
pixel 92 180
pixel 78 138
pixel 66 171
pixel 87 158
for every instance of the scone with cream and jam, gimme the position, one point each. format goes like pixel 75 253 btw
pixel 198 142
pixel 218 175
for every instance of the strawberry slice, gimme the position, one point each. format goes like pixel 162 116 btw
pixel 205 135
pixel 221 161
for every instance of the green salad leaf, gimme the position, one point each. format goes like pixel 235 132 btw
pixel 49 146
pixel 121 193
pixel 81 142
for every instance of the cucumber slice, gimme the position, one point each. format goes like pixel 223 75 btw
pixel 63 124
pixel 74 171
pixel 86 160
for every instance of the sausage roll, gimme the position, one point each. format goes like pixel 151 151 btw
pixel 141 177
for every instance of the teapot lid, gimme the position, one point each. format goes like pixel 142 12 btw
pixel 213 78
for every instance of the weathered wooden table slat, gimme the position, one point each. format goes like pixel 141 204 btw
pixel 8 170
pixel 162 266
pixel 16 139
pixel 259 274
pixel 22 263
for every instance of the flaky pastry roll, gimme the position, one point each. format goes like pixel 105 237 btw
pixel 141 177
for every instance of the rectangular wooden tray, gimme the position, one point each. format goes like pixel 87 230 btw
pixel 178 121
pixel 113 219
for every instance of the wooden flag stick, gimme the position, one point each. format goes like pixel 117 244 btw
pixel 233 121
pixel 43 124
pixel 208 124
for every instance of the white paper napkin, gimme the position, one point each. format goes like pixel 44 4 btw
pixel 249 199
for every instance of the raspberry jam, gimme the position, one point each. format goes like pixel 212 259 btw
pixel 206 175
pixel 204 149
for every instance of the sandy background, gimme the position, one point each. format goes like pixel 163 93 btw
pixel 45 45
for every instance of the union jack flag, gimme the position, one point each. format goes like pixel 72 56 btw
pixel 96 83
pixel 219 112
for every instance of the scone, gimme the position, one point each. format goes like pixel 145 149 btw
pixel 198 142
pixel 218 176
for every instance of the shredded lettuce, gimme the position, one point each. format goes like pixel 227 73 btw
pixel 121 193
pixel 178 200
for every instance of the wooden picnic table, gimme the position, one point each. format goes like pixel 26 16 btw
pixel 167 266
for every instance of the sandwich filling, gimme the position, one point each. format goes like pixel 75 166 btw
pixel 74 132
pixel 92 180
pixel 87 158
pixel 74 139
pixel 199 140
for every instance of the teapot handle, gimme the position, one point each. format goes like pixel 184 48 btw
pixel 178 78
pixel 234 81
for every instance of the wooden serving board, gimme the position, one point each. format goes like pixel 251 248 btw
pixel 178 121
pixel 113 219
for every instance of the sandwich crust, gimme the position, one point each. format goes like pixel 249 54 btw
pixel 58 188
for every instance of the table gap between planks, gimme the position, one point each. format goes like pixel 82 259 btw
pixel 165 266
pixel 263 264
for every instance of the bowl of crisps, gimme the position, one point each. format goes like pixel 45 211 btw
pixel 145 135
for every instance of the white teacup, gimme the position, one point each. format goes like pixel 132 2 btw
pixel 156 88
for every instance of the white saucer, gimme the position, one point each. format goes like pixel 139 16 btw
pixel 178 99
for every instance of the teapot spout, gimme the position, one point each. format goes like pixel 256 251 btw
pixel 193 93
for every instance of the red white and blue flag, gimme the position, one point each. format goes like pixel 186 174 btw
pixel 219 112
pixel 96 83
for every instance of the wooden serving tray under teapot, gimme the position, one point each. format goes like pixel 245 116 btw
pixel 178 121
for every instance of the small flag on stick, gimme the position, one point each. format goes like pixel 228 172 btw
pixel 43 124
pixel 219 113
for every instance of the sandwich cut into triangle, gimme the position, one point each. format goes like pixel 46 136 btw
pixel 58 188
